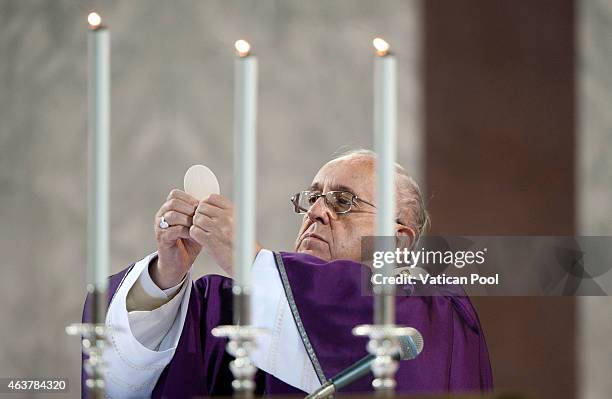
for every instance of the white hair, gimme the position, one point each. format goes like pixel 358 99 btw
pixel 410 202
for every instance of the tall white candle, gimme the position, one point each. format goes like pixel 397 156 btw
pixel 385 131
pixel 99 149
pixel 245 160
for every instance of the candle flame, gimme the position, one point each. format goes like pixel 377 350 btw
pixel 94 19
pixel 381 46
pixel 242 48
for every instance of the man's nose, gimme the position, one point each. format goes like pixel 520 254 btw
pixel 320 212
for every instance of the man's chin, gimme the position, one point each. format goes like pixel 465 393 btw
pixel 315 252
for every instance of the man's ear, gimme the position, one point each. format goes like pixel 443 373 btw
pixel 404 237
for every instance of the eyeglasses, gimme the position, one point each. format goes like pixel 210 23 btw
pixel 338 201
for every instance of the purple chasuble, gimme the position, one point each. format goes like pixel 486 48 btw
pixel 327 301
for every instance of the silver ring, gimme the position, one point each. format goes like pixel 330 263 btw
pixel 163 224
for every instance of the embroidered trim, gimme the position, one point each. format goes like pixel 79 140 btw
pixel 130 364
pixel 298 321
pixel 276 332
pixel 145 385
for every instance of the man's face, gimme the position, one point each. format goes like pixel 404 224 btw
pixel 339 236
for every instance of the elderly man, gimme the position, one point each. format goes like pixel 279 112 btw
pixel 308 300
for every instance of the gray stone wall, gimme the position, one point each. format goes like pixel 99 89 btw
pixel 594 185
pixel 171 108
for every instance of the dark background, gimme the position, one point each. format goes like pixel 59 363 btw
pixel 500 139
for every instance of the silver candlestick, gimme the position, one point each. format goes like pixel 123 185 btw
pixel 241 344
pixel 93 340
pixel 384 344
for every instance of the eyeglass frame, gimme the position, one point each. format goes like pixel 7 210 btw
pixel 354 198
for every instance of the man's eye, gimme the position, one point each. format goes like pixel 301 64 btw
pixel 312 198
pixel 344 201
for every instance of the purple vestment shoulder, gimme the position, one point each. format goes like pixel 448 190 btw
pixel 327 300
pixel 331 301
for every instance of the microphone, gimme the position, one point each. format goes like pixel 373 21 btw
pixel 410 347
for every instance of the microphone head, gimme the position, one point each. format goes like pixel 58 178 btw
pixel 411 345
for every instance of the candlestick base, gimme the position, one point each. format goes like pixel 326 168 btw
pixel 93 342
pixel 241 344
pixel 384 344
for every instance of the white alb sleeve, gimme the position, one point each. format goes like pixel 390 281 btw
pixel 150 327
pixel 280 351
pixel 141 343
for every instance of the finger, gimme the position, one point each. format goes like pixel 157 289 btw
pixel 175 218
pixel 171 234
pixel 180 194
pixel 209 210
pixel 198 235
pixel 177 205
pixel 219 201
pixel 204 222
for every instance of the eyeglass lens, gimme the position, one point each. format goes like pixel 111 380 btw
pixel 338 201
